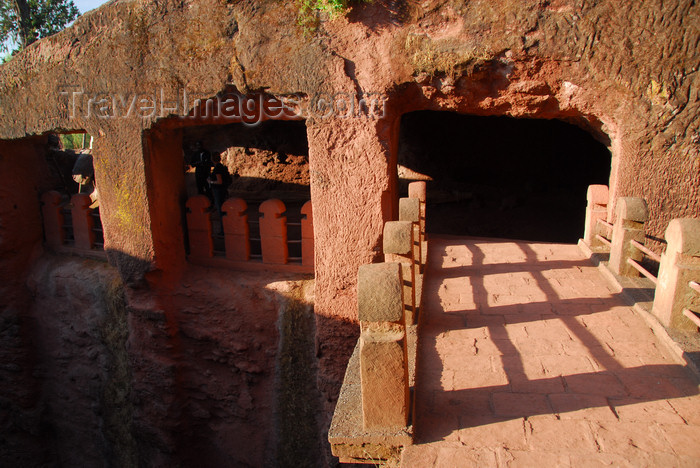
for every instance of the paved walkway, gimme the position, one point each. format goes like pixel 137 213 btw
pixel 528 358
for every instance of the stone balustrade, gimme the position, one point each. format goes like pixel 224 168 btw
pixel 372 418
pixel 676 302
pixel 71 226
pixel 631 214
pixel 383 348
pixel 678 269
pixel 234 246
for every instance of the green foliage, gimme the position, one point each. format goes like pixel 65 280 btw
pixel 310 10
pixel 74 141
pixel 46 17
pixel 334 7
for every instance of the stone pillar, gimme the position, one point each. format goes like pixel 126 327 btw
pixel 273 232
pixel 163 164
pixel 307 235
pixel 199 227
pixel 352 198
pixel 236 230
pixel 596 208
pixel 383 353
pixel 631 214
pixel 83 222
pixel 410 210
pixel 133 203
pixel 679 265
pixel 419 190
pixel 398 247
pixel 53 219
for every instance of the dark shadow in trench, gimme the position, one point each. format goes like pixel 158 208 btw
pixel 215 368
pixel 224 370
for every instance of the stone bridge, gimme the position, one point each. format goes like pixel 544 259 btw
pixel 527 353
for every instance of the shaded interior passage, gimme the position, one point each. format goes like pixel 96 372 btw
pixel 500 176
pixel 266 160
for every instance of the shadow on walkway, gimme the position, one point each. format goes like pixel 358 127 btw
pixel 513 330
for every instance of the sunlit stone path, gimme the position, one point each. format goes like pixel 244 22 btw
pixel 529 358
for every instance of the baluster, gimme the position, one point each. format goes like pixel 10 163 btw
pixel 273 232
pixel 398 247
pixel 199 227
pixel 596 209
pixel 679 265
pixel 53 219
pixel 419 190
pixel 236 231
pixel 631 214
pixel 83 222
pixel 307 235
pixel 383 353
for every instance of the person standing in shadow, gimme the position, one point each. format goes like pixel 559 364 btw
pixel 201 160
pixel 217 181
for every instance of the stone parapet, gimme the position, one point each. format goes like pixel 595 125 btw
pixel 679 266
pixel 372 420
pixel 631 214
pixel 232 248
pixel 71 227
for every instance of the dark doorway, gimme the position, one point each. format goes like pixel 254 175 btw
pixel 501 176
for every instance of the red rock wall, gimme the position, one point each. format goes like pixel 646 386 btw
pixel 203 351
pixel 199 377
pixel 21 163
pixel 166 196
pixel 80 330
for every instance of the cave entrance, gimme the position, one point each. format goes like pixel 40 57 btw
pixel 501 177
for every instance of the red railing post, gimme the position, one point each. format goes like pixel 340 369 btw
pixel 83 222
pixel 383 347
pixel 398 248
pixel 307 234
pixel 53 218
pixel 199 227
pixel 596 208
pixel 236 230
pixel 273 232
pixel 631 214
pixel 419 190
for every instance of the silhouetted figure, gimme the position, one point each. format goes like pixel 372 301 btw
pixel 201 161
pixel 218 186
